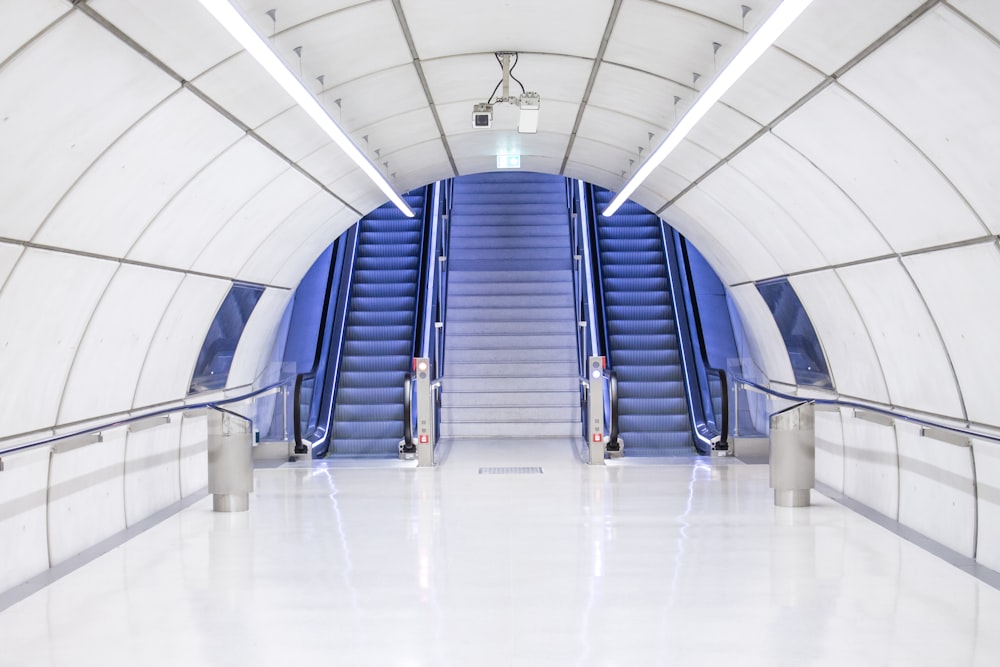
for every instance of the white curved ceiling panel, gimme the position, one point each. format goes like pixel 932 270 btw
pixel 590 173
pixel 670 42
pixel 413 161
pixel 106 367
pixel 722 130
pixel 169 364
pixel 359 191
pixel 828 216
pixel 244 89
pixel 9 254
pixel 483 146
pixel 188 222
pixel 663 182
pixel 233 244
pixel 853 364
pixel 346 45
pixel 765 339
pixel 293 133
pixel 513 25
pixel 253 352
pixel 23 19
pixel 764 219
pixel 624 132
pixel 959 287
pixel 328 165
pixel 728 12
pixel 399 132
pixel 918 372
pixel 937 82
pixel 167 29
pixel 639 95
pixel 286 237
pixel 847 27
pixel 986 14
pixel 373 98
pixel 66 97
pixel 296 264
pixel 110 206
pixel 288 14
pixel 772 85
pixel 44 308
pixel 753 259
pixel 898 189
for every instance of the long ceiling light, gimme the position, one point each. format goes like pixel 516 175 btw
pixel 755 46
pixel 237 26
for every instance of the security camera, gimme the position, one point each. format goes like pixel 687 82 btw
pixel 482 116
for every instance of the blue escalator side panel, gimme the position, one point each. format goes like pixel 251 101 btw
pixel 642 332
pixel 378 339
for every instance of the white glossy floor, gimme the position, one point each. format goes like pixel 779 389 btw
pixel 680 564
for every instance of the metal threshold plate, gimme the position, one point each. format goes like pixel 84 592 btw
pixel 524 470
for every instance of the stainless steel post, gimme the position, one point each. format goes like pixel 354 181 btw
pixel 424 402
pixel 793 455
pixel 595 410
pixel 230 461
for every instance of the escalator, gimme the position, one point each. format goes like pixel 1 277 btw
pixel 378 338
pixel 642 332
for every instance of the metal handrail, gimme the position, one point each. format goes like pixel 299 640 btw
pixel 926 423
pixel 613 407
pixel 215 405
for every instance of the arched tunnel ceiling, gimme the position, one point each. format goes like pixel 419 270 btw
pixel 859 151
pixel 824 139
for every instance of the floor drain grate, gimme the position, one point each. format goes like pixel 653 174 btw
pixel 511 471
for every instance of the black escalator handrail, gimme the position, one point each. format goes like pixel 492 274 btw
pixel 702 347
pixel 427 254
pixel 613 402
pixel 126 421
pixel 300 447
pixel 866 407
pixel 408 412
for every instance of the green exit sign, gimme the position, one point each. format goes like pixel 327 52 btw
pixel 508 161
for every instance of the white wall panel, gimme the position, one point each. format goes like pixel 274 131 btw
pixel 723 130
pixel 831 220
pixel 168 29
pixel 186 224
pixel 764 219
pixel 767 347
pixel 294 133
pixel 871 469
pixel 643 96
pixel 9 254
pixel 108 208
pixel 24 548
pixel 917 370
pixel 254 349
pixel 86 494
pixel 152 468
pixel 716 254
pixel 298 262
pixel 987 455
pixel 960 288
pixel 244 89
pixel 94 88
pixel 937 495
pixel 850 355
pixel 272 253
pixel 23 19
pixel 754 257
pixel 166 373
pixel 902 193
pixel 106 367
pixel 986 14
pixel 829 448
pixel 230 248
pixel 847 27
pixel 772 85
pixel 374 97
pixel 44 309
pixel 193 453
pixel 936 81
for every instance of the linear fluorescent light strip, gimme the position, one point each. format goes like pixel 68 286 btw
pixel 762 38
pixel 236 25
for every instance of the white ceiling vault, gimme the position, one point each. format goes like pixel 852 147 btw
pixel 861 147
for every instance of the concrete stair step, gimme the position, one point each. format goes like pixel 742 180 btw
pixel 526 315
pixel 506 327
pixel 510 369
pixel 500 300
pixel 510 413
pixel 566 429
pixel 511 384
pixel 501 355
pixel 495 399
pixel 507 341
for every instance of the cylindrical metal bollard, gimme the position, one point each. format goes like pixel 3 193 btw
pixel 793 455
pixel 230 461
